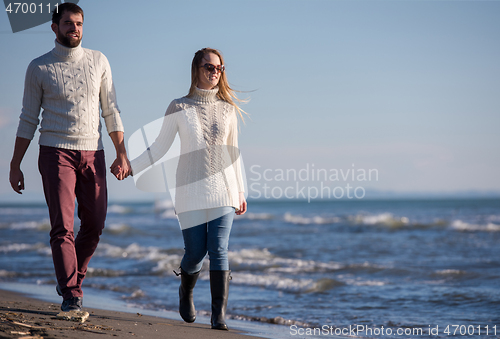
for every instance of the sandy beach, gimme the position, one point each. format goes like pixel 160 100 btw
pixel 24 317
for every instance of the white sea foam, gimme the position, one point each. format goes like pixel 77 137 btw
pixel 367 265
pixel 137 294
pixel 387 219
pixel 117 228
pixel 23 211
pixel 165 261
pixel 273 281
pixel 45 251
pixel 163 204
pixel 169 263
pixel 319 220
pixel 31 225
pixel 365 283
pixel 263 259
pixel 271 269
pixel 278 282
pixel 350 280
pixel 460 225
pixel 103 272
pixel 168 214
pixel 133 251
pixel 118 209
pixel 255 216
pixel 6 274
pixel 449 272
pixel 21 247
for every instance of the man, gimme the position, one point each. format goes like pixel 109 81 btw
pixel 69 82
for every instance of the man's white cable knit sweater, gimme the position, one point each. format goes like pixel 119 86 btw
pixel 69 84
pixel 208 172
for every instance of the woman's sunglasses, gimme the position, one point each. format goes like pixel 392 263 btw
pixel 211 68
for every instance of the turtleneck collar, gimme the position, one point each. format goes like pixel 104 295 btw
pixel 67 53
pixel 205 96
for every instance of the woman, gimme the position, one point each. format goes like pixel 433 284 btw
pixel 209 185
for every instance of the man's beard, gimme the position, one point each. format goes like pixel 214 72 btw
pixel 65 41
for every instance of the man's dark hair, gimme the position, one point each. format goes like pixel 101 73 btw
pixel 65 7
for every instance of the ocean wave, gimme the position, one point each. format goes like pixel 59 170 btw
pixel 119 209
pixel 382 219
pixel 368 267
pixel 163 204
pixel 170 263
pixel 451 274
pixel 253 259
pixel 22 247
pixel 168 214
pixel 494 218
pixel 165 261
pixel 43 225
pixel 103 272
pixel 133 251
pixel 255 216
pixel 269 320
pixel 360 281
pixel 319 220
pixel 23 211
pixel 390 220
pixel 460 225
pixel 7 274
pixel 117 228
pixel 271 270
pixel 137 294
pixel 385 219
pixel 278 282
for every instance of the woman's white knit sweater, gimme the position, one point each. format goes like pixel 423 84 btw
pixel 208 173
pixel 69 84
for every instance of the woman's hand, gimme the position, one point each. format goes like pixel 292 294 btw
pixel 243 204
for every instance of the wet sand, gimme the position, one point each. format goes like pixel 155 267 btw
pixel 25 317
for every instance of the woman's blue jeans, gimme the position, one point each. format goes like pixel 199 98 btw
pixel 206 231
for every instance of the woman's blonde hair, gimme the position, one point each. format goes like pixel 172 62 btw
pixel 225 92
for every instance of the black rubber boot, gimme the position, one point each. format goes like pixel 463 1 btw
pixel 186 304
pixel 219 287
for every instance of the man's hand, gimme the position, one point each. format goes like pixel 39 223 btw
pixel 16 179
pixel 16 176
pixel 121 167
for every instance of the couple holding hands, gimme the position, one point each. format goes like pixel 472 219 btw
pixel 70 84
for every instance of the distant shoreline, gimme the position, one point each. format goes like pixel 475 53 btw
pixel 389 197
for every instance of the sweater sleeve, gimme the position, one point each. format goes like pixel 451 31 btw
pixel 32 102
pixel 162 143
pixel 234 151
pixel 107 96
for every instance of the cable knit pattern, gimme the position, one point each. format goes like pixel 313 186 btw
pixel 208 172
pixel 69 84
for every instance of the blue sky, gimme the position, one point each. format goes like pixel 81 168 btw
pixel 410 88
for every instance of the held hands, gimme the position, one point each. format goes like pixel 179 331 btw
pixel 243 204
pixel 121 167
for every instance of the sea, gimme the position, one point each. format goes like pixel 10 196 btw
pixel 385 268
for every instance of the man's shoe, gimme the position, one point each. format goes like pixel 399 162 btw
pixel 72 304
